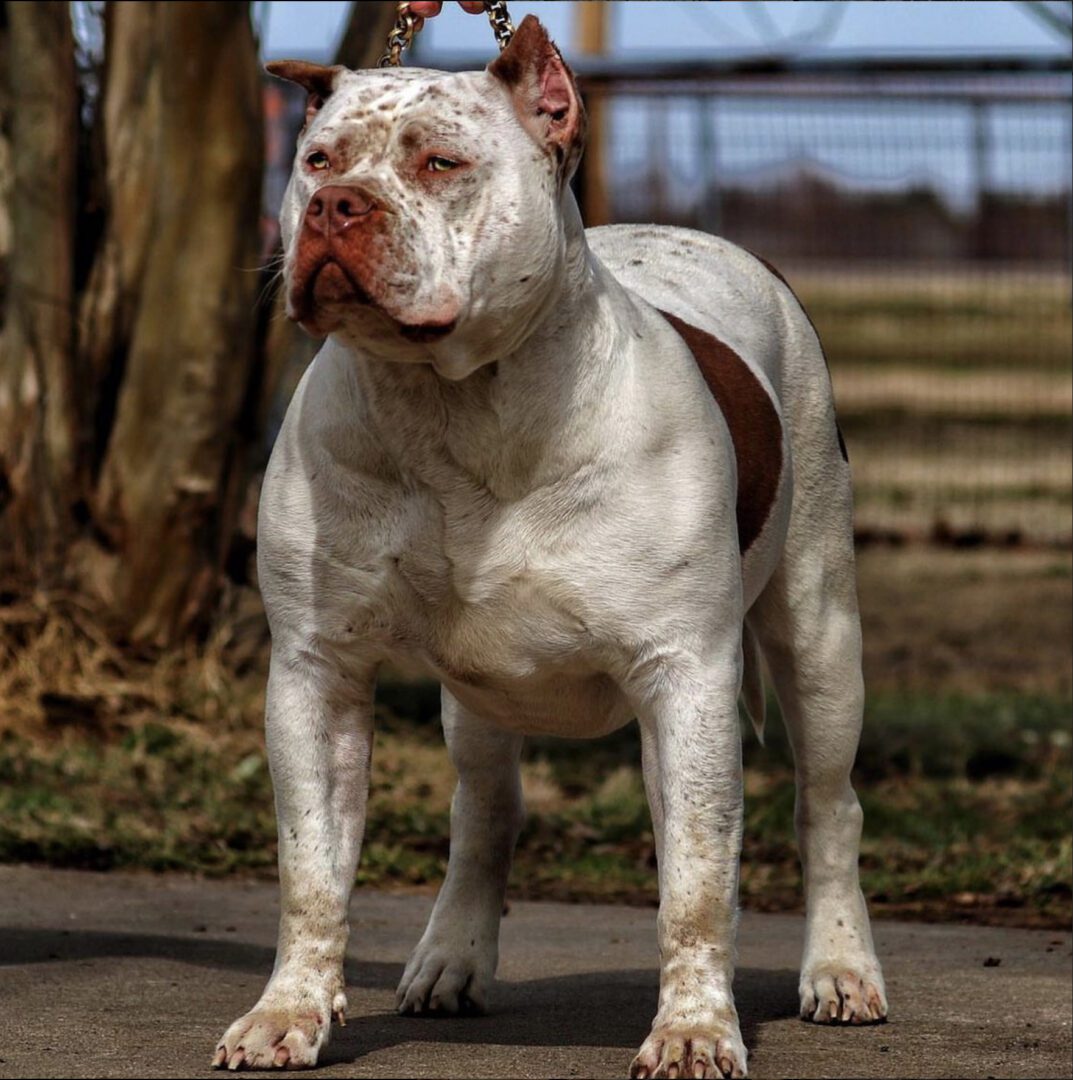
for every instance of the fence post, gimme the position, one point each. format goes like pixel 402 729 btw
pixel 712 212
pixel 591 31
pixel 981 145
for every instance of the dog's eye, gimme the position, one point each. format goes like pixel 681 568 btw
pixel 440 164
pixel 318 160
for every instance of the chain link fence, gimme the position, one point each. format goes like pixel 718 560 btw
pixel 922 214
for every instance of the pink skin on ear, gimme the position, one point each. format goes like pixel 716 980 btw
pixel 555 93
pixel 545 97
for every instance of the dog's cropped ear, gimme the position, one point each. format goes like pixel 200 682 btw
pixel 545 95
pixel 317 79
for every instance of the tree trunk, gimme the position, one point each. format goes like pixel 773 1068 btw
pixel 366 33
pixel 6 165
pixel 38 422
pixel 168 493
pixel 126 434
pixel 130 124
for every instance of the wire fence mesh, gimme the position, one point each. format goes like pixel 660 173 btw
pixel 923 217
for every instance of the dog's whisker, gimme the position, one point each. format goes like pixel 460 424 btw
pixel 269 289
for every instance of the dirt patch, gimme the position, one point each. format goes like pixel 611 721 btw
pixel 967 622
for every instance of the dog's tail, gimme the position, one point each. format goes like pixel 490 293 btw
pixel 752 682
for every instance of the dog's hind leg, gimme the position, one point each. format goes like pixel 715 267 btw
pixel 807 622
pixel 452 968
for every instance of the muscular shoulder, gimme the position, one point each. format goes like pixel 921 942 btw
pixel 326 499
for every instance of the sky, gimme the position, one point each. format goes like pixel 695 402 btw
pixel 867 144
pixel 641 28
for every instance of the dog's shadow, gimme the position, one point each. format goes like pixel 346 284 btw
pixel 604 1008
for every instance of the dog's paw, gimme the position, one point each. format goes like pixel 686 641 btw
pixel 680 1051
pixel 439 981
pixel 832 994
pixel 277 1037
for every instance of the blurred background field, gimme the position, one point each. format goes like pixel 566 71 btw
pixel 907 170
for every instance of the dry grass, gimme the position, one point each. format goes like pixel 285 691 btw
pixel 60 668
pixel 935 621
pixel 1006 318
pixel 1002 472
pixel 955 391
pixel 1010 393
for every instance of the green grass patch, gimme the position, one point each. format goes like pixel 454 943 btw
pixel 967 807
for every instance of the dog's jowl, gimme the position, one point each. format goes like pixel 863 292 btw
pixel 578 478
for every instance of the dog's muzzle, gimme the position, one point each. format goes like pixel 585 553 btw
pixel 335 248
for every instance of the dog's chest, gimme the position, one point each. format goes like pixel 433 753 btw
pixel 483 593
pixel 492 601
pixel 510 641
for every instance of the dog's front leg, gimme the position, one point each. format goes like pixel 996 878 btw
pixel 318 730
pixel 693 762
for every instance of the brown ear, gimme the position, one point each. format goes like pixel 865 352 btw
pixel 318 80
pixel 545 95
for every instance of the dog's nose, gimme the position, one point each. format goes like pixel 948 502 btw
pixel 335 208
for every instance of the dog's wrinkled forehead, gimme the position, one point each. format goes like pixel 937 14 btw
pixel 367 107
pixel 526 91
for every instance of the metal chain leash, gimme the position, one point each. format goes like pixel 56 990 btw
pixel 407 24
pixel 402 33
pixel 502 27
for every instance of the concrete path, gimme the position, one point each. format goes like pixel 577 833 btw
pixel 131 975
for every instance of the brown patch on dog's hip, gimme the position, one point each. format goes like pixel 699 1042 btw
pixel 751 416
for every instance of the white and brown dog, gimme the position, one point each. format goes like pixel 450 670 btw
pixel 577 477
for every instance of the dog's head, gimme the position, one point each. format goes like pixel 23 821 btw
pixel 424 217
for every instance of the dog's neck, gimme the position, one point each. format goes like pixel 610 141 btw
pixel 523 420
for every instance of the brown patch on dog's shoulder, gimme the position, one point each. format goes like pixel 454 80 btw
pixel 751 416
pixel 773 269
